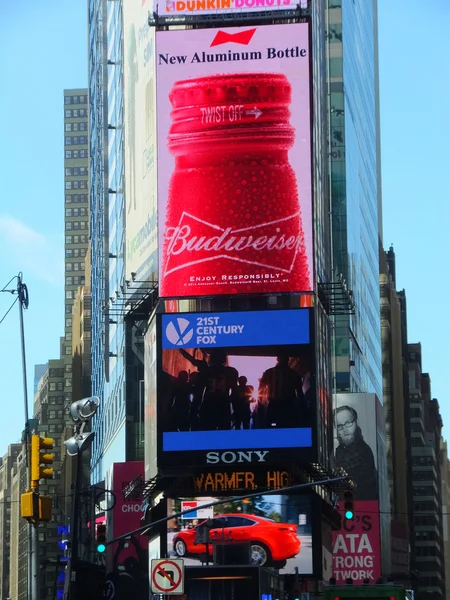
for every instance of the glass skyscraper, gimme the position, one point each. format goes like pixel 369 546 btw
pixel 107 232
pixel 355 188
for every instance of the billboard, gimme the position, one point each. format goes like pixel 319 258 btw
pixel 236 387
pixel 357 546
pixel 355 441
pixel 140 142
pixel 129 555
pixel 234 161
pixel 271 531
pixel 171 8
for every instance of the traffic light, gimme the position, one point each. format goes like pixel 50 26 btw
pixel 349 511
pixel 39 458
pixel 101 539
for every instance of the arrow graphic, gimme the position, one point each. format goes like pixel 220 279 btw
pixel 255 111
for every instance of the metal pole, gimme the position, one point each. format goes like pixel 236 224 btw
pixel 74 526
pixel 33 539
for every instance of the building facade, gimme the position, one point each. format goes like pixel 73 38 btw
pixel 354 164
pixel 6 470
pixel 18 566
pixel 51 415
pixel 445 476
pixel 76 211
pixel 427 531
pixel 115 439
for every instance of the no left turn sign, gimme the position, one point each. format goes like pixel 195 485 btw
pixel 167 576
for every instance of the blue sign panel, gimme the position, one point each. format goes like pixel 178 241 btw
pixel 252 328
pixel 236 380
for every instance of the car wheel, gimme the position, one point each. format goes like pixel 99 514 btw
pixel 279 564
pixel 180 547
pixel 260 554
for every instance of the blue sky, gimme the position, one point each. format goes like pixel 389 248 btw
pixel 43 49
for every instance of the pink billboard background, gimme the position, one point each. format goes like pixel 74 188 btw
pixel 356 547
pixel 275 49
pixel 126 516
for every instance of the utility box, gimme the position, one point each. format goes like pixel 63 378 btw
pixel 27 506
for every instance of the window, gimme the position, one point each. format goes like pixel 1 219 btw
pixel 68 141
pixel 69 253
pixel 75 113
pixel 69 198
pixel 68 154
pixel 68 127
pixel 68 309
pixel 83 126
pixel 68 368
pixel 69 266
pixel 335 67
pixel 69 280
pixel 69 295
pixel 52 386
pixel 52 414
pixel 68 381
pixel 68 185
pixel 67 113
pixel 68 240
pixel 69 212
pixel 76 266
pixel 69 225
pixel 67 99
pixel 76 239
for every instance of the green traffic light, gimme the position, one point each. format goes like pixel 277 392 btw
pixel 101 548
pixel 349 514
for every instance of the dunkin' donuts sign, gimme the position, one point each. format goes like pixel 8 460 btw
pixel 234 161
pixel 356 547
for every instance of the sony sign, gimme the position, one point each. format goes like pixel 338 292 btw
pixel 241 456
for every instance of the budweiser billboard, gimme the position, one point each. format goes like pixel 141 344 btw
pixel 234 166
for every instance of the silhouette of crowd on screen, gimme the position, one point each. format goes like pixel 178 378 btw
pixel 211 395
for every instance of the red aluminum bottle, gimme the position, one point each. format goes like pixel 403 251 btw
pixel 233 219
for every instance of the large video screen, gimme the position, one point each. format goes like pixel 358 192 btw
pixel 272 531
pixel 236 381
pixel 234 161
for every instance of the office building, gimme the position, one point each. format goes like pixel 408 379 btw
pixel 445 476
pixel 18 566
pixel 426 536
pixel 6 467
pixel 39 370
pixel 114 424
pixel 76 211
pixel 355 188
pixel 395 395
pixel 355 204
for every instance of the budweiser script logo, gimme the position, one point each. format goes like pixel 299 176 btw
pixel 191 243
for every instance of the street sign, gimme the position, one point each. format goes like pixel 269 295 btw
pixel 167 576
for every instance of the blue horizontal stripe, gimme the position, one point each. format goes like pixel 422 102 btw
pixel 297 437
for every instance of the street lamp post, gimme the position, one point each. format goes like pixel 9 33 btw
pixel 81 412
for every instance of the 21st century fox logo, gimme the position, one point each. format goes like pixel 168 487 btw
pixel 242 38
